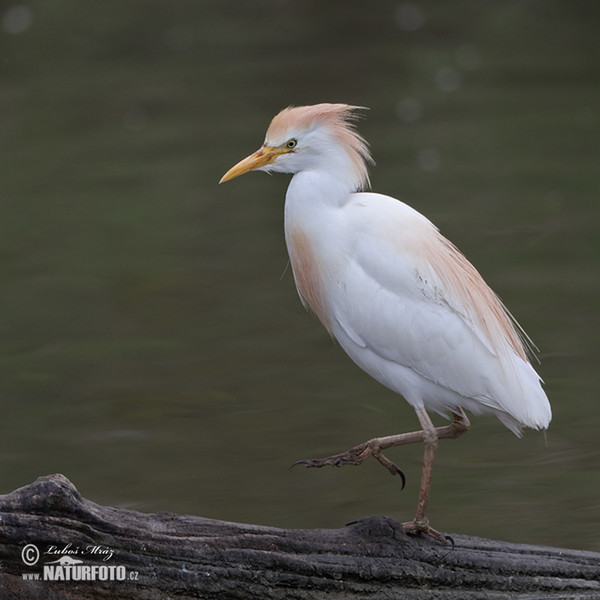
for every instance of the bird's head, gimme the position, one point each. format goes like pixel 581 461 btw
pixel 320 137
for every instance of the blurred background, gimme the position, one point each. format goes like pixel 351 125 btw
pixel 152 345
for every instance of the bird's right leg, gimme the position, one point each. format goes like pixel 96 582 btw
pixel 374 447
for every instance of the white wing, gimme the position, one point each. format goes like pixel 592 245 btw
pixel 411 311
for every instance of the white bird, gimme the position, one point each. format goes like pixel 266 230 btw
pixel 401 300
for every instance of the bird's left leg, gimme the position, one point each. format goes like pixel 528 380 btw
pixel 460 424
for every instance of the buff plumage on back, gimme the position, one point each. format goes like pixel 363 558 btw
pixel 475 299
pixel 339 119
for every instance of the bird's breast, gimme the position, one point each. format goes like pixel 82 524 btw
pixel 308 274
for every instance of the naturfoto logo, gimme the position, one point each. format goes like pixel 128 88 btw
pixel 68 562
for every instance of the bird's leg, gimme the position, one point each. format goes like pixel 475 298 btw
pixel 429 435
pixel 460 425
pixel 355 456
pixel 374 447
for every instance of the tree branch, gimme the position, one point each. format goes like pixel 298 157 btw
pixel 164 555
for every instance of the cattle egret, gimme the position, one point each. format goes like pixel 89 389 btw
pixel 401 300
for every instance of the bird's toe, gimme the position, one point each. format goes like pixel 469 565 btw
pixel 423 528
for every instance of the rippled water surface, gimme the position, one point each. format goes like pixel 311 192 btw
pixel 152 345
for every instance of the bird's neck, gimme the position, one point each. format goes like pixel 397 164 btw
pixel 313 204
pixel 313 214
pixel 316 191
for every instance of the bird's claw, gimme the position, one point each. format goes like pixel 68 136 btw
pixel 330 461
pixel 400 474
pixel 418 528
pixel 355 456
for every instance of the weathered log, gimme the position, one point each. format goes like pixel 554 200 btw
pixel 133 555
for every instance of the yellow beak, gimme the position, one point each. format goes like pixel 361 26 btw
pixel 264 156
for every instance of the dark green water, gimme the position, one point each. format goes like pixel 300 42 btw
pixel 152 346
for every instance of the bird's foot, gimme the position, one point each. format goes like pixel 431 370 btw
pixel 355 456
pixel 422 528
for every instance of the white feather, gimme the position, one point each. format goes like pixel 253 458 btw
pixel 391 311
pixel 401 300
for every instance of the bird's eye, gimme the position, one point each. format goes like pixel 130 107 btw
pixel 291 144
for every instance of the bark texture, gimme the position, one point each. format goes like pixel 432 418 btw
pixel 166 555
